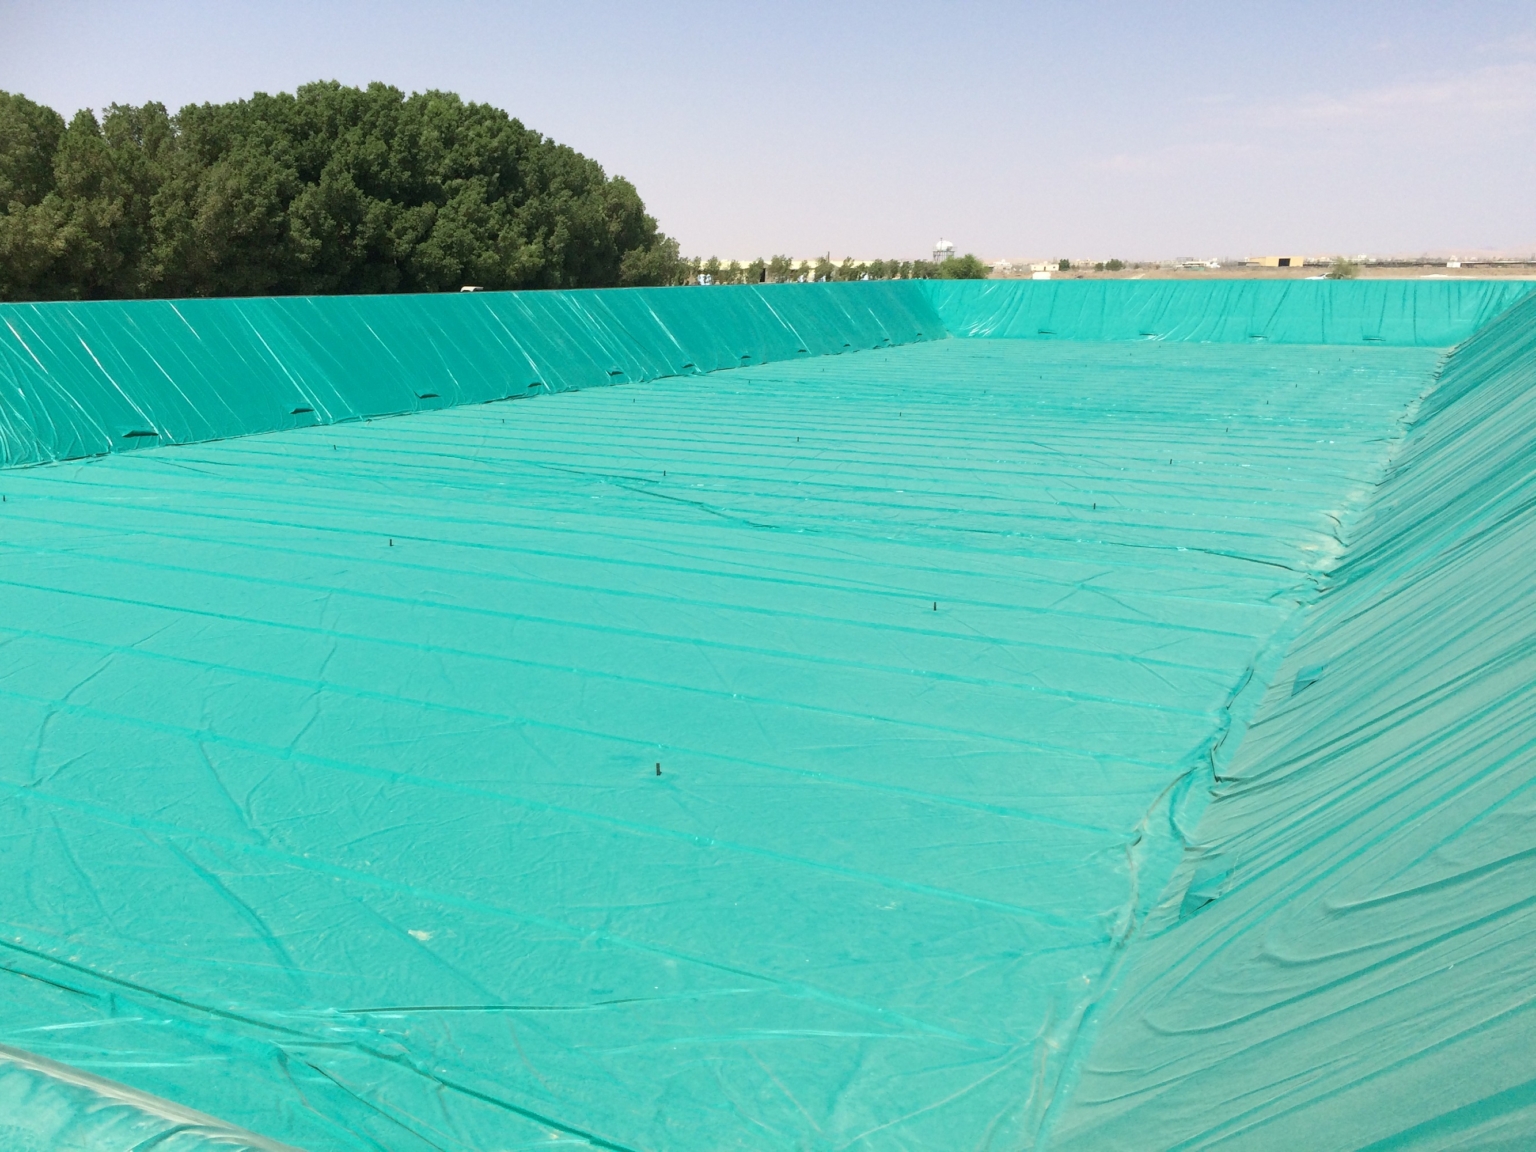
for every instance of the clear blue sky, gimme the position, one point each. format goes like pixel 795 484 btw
pixel 1089 129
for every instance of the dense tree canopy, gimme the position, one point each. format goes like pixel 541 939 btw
pixel 330 189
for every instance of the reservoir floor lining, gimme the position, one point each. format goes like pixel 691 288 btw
pixel 333 752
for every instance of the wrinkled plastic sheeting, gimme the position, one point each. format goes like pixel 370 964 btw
pixel 330 759
pixel 46 1106
pixel 329 773
pixel 1347 956
pixel 1413 313
pixel 84 379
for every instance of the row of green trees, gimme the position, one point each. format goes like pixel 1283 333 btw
pixel 782 270
pixel 1101 266
pixel 331 189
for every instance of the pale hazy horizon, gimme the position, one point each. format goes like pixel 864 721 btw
pixel 1015 131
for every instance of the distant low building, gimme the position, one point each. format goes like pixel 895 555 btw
pixel 1276 261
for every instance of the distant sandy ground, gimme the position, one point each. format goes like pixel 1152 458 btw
pixel 1241 272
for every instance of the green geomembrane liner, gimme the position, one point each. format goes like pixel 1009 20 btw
pixel 85 379
pixel 996 715
pixel 1346 956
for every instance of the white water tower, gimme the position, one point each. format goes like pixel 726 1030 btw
pixel 943 251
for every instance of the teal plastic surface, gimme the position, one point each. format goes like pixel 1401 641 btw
pixel 1417 313
pixel 46 1106
pixel 812 755
pixel 1347 955
pixel 85 379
